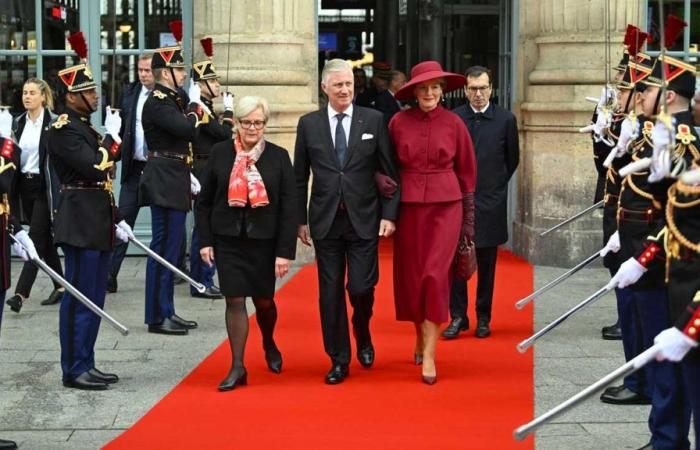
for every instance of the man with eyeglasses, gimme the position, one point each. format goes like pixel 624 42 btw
pixel 494 132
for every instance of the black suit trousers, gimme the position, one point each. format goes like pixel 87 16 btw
pixel 340 248
pixel 486 273
pixel 36 209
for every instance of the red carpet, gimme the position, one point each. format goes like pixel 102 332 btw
pixel 484 389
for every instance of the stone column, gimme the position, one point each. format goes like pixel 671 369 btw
pixel 266 48
pixel 561 60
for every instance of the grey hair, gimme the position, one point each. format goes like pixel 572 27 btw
pixel 250 103
pixel 334 65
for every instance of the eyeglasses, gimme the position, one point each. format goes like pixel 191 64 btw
pixel 475 89
pixel 248 124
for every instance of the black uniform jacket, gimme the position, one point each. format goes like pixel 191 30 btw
pixel 82 159
pixel 209 134
pixel 641 197
pixel 369 150
pixel 9 165
pixel 49 179
pixel 275 221
pixel 169 129
pixel 495 138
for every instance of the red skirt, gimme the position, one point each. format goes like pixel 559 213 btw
pixel 424 248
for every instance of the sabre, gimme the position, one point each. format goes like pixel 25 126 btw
pixel 199 286
pixel 574 217
pixel 75 292
pixel 631 366
pixel 527 343
pixel 524 301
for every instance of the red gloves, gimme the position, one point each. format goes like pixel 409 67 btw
pixel 468 217
pixel 387 187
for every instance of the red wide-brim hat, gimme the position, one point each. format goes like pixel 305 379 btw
pixel 429 70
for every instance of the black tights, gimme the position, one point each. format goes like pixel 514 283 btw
pixel 237 327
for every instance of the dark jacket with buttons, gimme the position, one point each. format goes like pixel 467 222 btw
pixel 277 220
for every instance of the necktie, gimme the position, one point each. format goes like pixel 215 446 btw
pixel 341 143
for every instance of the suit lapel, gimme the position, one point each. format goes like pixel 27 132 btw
pixel 356 125
pixel 326 133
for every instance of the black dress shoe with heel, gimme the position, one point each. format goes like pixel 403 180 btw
pixel 54 297
pixel 273 358
pixel 624 396
pixel 85 382
pixel 189 324
pixel 102 377
pixel 7 445
pixel 230 382
pixel 15 303
pixel 365 355
pixel 167 326
pixel 455 327
pixel 612 332
pixel 211 293
pixel 337 374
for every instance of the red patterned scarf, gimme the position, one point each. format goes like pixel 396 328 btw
pixel 245 183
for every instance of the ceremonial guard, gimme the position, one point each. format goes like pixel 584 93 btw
pixel 204 73
pixel 9 164
pixel 166 185
pixel 85 220
pixel 641 209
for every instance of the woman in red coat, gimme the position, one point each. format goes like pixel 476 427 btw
pixel 438 175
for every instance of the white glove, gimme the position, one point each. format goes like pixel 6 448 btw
pixel 26 250
pixel 228 101
pixel 5 124
pixel 629 273
pixel 663 140
pixel 674 345
pixel 608 95
pixel 194 93
pixel 113 123
pixel 602 123
pixel 613 245
pixel 195 187
pixel 691 177
pixel 629 131
pixel 124 231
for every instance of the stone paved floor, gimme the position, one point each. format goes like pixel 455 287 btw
pixel 39 413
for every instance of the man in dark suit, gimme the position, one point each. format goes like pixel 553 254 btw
pixel 386 102
pixel 344 145
pixel 494 132
pixel 134 155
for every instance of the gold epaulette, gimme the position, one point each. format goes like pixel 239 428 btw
pixel 159 95
pixel 60 121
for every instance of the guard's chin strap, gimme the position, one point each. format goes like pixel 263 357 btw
pixel 657 101
pixel 629 99
pixel 206 82
pixel 85 102
pixel 172 74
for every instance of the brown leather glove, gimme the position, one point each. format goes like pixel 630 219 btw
pixel 387 187
pixel 468 216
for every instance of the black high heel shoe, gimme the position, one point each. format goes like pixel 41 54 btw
pixel 273 357
pixel 230 383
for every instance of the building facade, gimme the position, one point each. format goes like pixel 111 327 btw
pixel 547 55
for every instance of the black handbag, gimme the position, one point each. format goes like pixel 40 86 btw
pixel 464 264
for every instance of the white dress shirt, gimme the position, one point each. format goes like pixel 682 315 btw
pixel 334 122
pixel 29 143
pixel 139 140
pixel 482 110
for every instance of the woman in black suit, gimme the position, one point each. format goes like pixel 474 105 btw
pixel 246 218
pixel 35 187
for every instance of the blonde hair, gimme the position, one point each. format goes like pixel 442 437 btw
pixel 250 103
pixel 44 89
pixel 334 65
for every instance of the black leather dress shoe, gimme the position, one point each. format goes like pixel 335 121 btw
pixel 624 397
pixel 189 324
pixel 455 327
pixel 167 326
pixel 365 356
pixel 211 293
pixel 613 390
pixel 7 445
pixel 15 303
pixel 54 297
pixel 273 358
pixel 85 382
pixel 98 375
pixel 482 329
pixel 231 382
pixel 337 374
pixel 612 333
pixel 111 284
